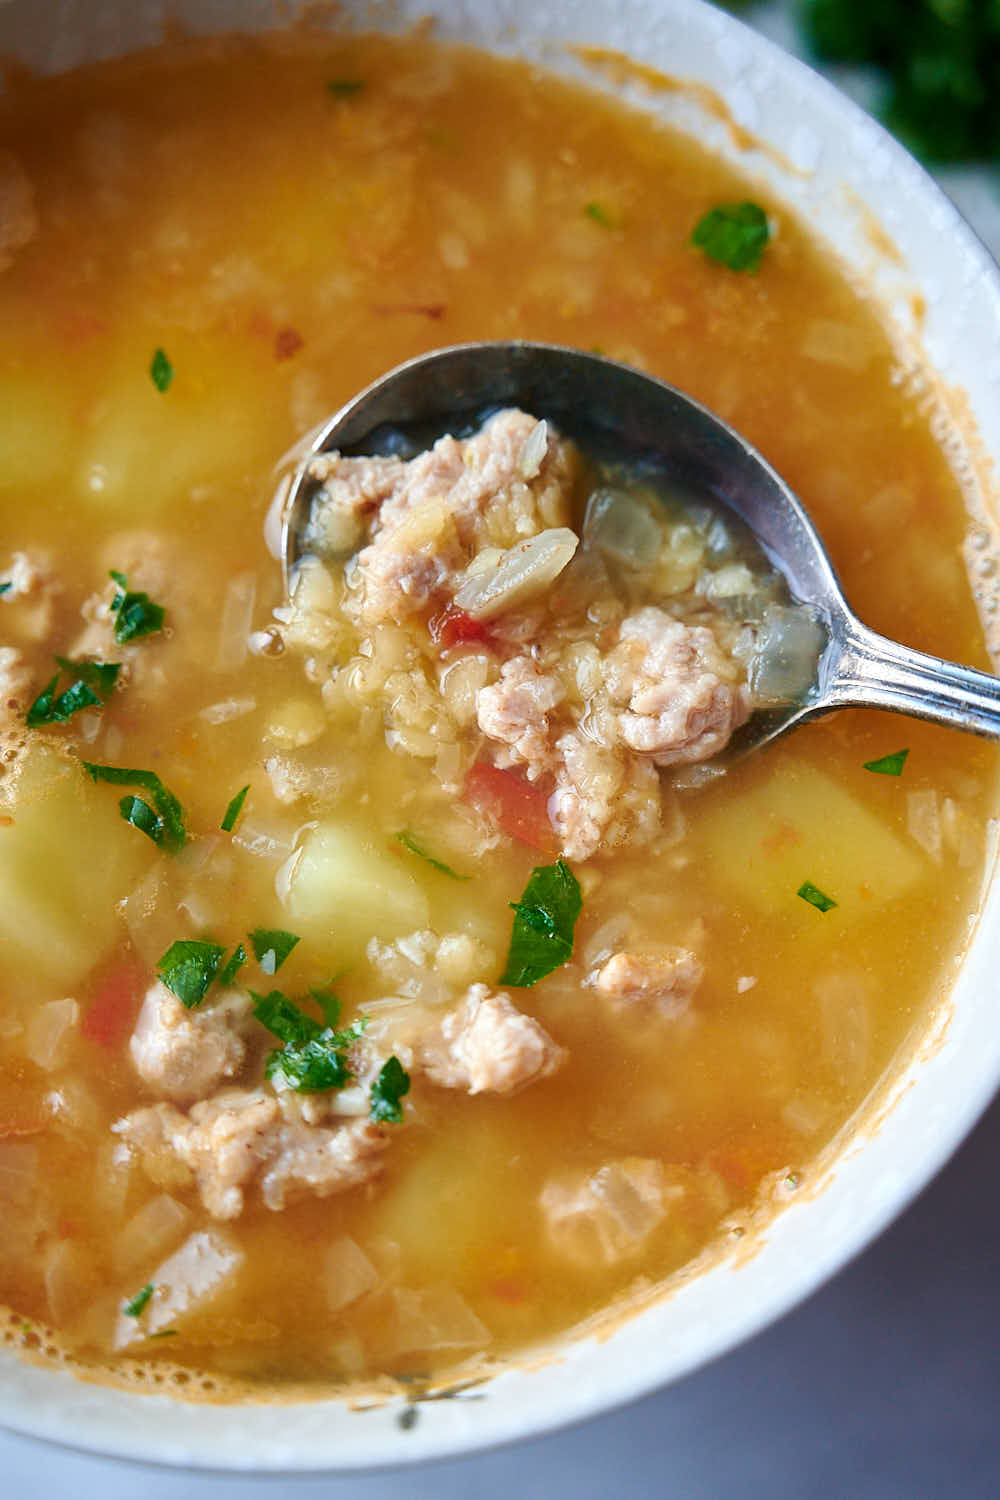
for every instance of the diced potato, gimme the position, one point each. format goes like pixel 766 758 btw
pixel 342 888
pixel 801 826
pixel 66 860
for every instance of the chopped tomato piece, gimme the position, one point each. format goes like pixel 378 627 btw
pixel 453 627
pixel 111 1014
pixel 517 806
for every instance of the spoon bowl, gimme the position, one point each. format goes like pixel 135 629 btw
pixel 636 415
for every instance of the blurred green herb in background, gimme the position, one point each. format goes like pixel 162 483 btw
pixel 937 62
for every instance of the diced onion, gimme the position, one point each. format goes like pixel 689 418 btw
pixel 149 1233
pixel 789 644
pixel 620 523
pixel 190 1277
pixel 846 1025
pixel 49 1032
pixel 923 821
pixel 519 573
pixel 435 1318
pixel 605 1217
pixel 535 448
pixel 347 1273
pixel 236 622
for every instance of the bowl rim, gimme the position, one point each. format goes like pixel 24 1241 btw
pixel 934 1103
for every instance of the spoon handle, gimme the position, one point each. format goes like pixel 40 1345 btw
pixel 873 672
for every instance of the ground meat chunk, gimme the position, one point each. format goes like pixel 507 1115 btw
pixel 431 517
pixel 514 712
pixel 486 1045
pixel 246 1136
pixel 185 1054
pixel 681 695
pixel 602 797
pixel 663 981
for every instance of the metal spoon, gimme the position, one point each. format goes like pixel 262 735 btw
pixel 641 415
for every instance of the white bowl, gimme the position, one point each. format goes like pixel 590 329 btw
pixel 844 174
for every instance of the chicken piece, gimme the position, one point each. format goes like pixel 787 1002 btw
pixel 664 982
pixel 185 1054
pixel 602 1217
pixel 246 1136
pixel 486 1045
pixel 515 713
pixel 681 695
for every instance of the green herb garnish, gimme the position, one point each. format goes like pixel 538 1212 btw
pixel 188 968
pixel 889 765
pixel 387 1090
pixel 734 234
pixel 139 813
pixel 233 967
pixel 271 947
pixel 170 822
pixel 544 919
pixel 344 88
pixel 163 1333
pixel 135 614
pixel 409 842
pixel 599 214
pixel 314 1056
pixel 7 584
pixel 93 681
pixel 162 371
pixel 815 896
pixel 50 708
pixel 136 1306
pixel 234 809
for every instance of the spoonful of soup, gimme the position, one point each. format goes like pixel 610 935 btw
pixel 515 494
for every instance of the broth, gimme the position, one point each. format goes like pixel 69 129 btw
pixel 159 204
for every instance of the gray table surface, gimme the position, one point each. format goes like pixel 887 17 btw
pixel 885 1385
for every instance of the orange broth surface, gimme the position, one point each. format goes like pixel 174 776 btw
pixel 286 221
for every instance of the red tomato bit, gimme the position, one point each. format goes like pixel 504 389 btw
pixel 519 807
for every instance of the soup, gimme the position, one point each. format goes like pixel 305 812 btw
pixel 287 1091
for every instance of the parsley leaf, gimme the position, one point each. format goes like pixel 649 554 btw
pixel 93 681
pixel 344 88
pixel 409 842
pixel 815 896
pixel 171 814
pixel 7 584
pixel 889 765
pixel 50 709
pixel 733 233
pixel 161 371
pixel 136 1306
pixel 271 947
pixel 135 614
pixel 599 214
pixel 314 1056
pixel 544 919
pixel 387 1090
pixel 139 813
pixel 234 809
pixel 188 968
pixel 233 967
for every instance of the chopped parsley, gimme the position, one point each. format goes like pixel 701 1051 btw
pixel 271 947
pixel 735 234
pixel 409 842
pixel 815 896
pixel 135 614
pixel 233 967
pixel 161 371
pixel 92 682
pixel 7 584
pixel 314 1056
pixel 387 1090
pixel 600 215
pixel 234 809
pixel 167 827
pixel 188 968
pixel 344 88
pixel 889 765
pixel 544 919
pixel 136 1306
